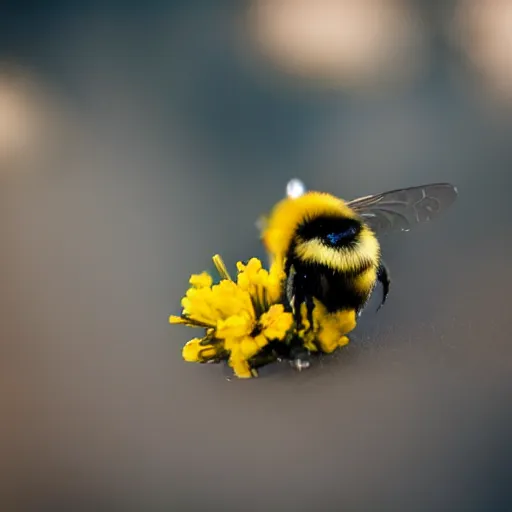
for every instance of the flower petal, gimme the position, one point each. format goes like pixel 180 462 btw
pixel 261 341
pixel 240 366
pixel 197 351
pixel 203 280
pixel 276 322
pixel 173 319
pixel 191 350
pixel 248 347
pixel 236 326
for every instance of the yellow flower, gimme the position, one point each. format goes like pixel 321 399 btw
pixel 245 320
pixel 241 318
pixel 265 286
pixel 205 306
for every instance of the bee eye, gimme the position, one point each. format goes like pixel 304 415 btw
pixel 333 231
pixel 341 236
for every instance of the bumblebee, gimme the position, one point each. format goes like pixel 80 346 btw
pixel 330 254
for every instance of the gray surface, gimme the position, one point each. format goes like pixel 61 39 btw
pixel 170 161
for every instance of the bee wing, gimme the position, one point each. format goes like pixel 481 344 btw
pixel 401 209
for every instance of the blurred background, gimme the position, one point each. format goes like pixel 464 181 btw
pixel 137 140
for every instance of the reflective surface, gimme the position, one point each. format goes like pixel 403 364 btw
pixel 164 142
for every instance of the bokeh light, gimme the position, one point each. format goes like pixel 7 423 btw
pixel 483 31
pixel 31 121
pixel 348 42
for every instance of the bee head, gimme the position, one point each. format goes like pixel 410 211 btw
pixel 339 242
pixel 319 229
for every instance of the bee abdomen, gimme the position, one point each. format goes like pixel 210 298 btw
pixel 349 291
pixel 336 290
pixel 365 281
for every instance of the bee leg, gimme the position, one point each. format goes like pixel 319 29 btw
pixel 383 278
pixel 310 306
pixel 302 296
pixel 297 313
pixel 299 354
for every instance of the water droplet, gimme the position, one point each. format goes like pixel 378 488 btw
pixel 295 188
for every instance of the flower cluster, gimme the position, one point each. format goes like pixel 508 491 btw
pixel 246 323
pixel 240 318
